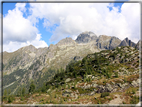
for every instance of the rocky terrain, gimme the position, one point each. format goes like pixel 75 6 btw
pixel 39 66
pixel 104 77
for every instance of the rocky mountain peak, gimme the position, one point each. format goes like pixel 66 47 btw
pixel 68 41
pixel 127 42
pixel 88 32
pixel 29 48
pixel 126 39
pixel 52 47
pixel 137 46
pixel 86 37
pixel 107 42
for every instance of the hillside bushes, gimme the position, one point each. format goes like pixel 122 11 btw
pixel 104 94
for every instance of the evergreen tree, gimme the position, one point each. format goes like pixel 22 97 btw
pixel 43 88
pixel 9 91
pixel 5 93
pixel 89 71
pixel 23 91
pixel 32 88
pixel 20 91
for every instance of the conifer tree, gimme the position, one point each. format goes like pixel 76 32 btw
pixel 23 91
pixel 5 93
pixel 32 88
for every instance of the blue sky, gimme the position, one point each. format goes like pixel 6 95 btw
pixel 45 33
pixel 45 24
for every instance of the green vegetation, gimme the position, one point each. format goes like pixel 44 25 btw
pixel 104 94
pixel 93 70
pixel 32 88
pixel 10 98
pixel 11 77
pixel 134 100
pixel 85 91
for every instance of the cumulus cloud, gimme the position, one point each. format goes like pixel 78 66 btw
pixel 16 27
pixel 70 19
pixel 131 12
pixel 38 43
pixel 19 31
pixel 15 45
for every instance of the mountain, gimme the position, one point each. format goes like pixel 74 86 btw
pixel 22 58
pixel 40 65
pixel 138 45
pixel 127 42
pixel 107 42
pixel 66 42
pixel 102 42
pixel 86 37
pixel 98 78
pixel 28 63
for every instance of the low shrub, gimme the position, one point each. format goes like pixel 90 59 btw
pixel 134 100
pixel 22 98
pixel 104 94
pixel 10 99
pixel 133 91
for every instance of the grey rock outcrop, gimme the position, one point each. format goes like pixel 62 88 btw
pixel 135 83
pixel 127 42
pixel 69 93
pixel 86 37
pixel 66 93
pixel 107 42
pixel 114 42
pixel 138 45
pixel 77 58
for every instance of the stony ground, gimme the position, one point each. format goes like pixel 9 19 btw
pixel 121 87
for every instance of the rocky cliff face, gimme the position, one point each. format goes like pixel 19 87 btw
pixel 138 45
pixel 102 42
pixel 127 42
pixel 86 37
pixel 107 42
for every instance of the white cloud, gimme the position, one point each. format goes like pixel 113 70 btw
pixel 19 31
pixel 16 27
pixel 38 43
pixel 74 18
pixel 15 45
pixel 131 12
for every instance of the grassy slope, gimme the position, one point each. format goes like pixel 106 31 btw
pixel 98 65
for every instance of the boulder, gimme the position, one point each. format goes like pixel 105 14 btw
pixel 109 88
pixel 135 83
pixel 92 93
pixel 68 80
pixel 94 85
pixel 119 84
pixel 101 89
pixel 48 90
pixel 93 77
pixel 67 93
pixel 87 86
